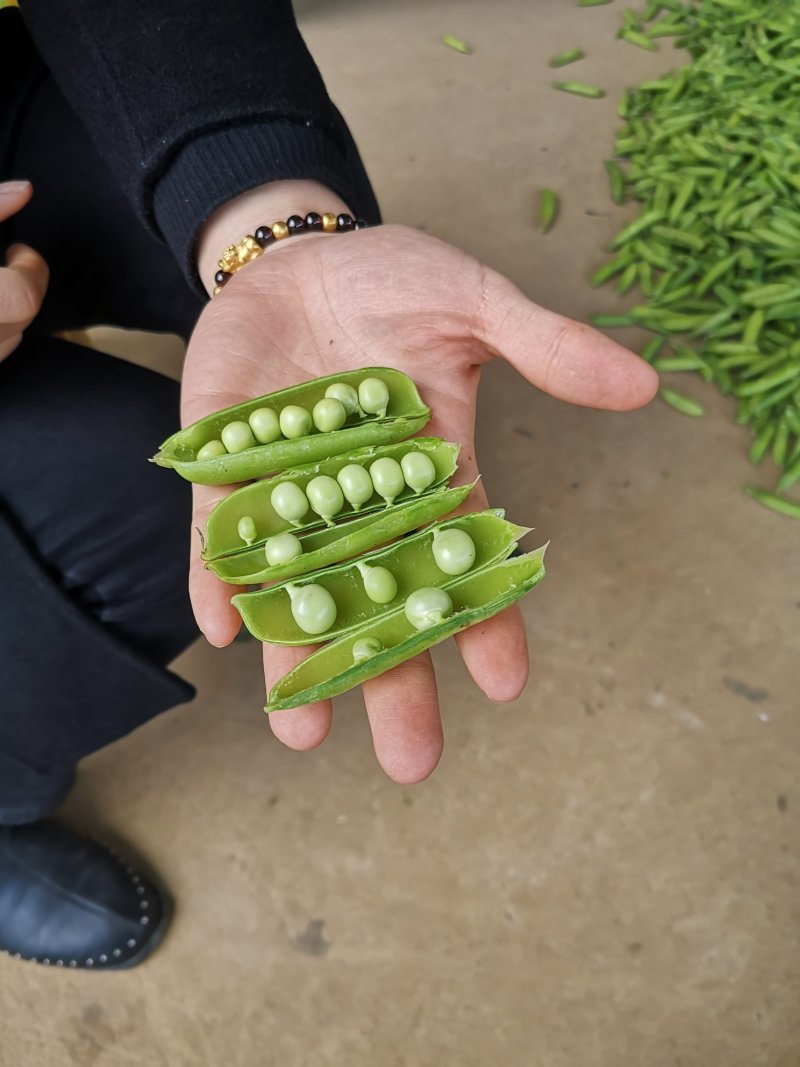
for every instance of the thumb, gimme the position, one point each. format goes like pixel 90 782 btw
pixel 23 283
pixel 567 359
pixel 13 197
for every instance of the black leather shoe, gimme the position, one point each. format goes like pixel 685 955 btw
pixel 66 901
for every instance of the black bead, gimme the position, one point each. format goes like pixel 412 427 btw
pixel 360 224
pixel 221 277
pixel 264 236
pixel 296 224
pixel 313 221
pixel 344 222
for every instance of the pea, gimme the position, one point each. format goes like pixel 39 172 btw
pixel 265 425
pixel 329 415
pixel 212 450
pixel 289 501
pixel 345 394
pixel 453 550
pixel 294 421
pixel 282 548
pixel 325 497
pixel 380 584
pixel 418 470
pixel 313 608
pixel 373 396
pixel 237 436
pixel 427 607
pixel 387 478
pixel 356 485
pixel 366 648
pixel 247 529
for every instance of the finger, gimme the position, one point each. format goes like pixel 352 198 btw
pixel 300 728
pixel 403 712
pixel 567 359
pixel 13 197
pixel 217 618
pixel 23 282
pixel 495 652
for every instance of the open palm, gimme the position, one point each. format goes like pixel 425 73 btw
pixel 395 297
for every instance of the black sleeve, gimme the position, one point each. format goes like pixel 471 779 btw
pixel 192 102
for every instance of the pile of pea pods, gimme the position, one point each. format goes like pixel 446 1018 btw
pixel 346 521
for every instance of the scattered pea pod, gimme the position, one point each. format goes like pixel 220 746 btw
pixel 712 155
pixel 288 427
pixel 319 548
pixel 254 501
pixel 412 563
pixel 393 638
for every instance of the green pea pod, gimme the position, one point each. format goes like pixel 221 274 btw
pixel 332 670
pixel 333 544
pixel 222 536
pixel 267 612
pixel 404 416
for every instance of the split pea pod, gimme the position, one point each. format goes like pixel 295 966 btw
pixel 257 501
pixel 391 639
pixel 322 547
pixel 199 454
pixel 413 563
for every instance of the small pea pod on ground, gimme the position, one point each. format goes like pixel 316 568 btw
pixel 223 535
pixel 411 563
pixel 394 410
pixel 333 544
pixel 391 639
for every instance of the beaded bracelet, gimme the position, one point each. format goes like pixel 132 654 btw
pixel 253 245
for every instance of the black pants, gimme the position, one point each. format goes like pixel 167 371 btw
pixel 94 540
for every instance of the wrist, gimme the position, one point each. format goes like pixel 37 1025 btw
pixel 260 207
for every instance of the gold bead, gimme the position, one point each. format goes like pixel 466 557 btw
pixel 328 223
pixel 229 258
pixel 280 230
pixel 217 289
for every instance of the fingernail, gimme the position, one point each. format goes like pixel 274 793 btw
pixel 13 188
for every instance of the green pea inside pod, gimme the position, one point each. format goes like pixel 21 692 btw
pixel 211 450
pixel 356 485
pixel 380 584
pixel 454 551
pixel 427 607
pixel 295 421
pixel 290 502
pixel 265 425
pixel 387 478
pixel 373 396
pixel 345 394
pixel 366 648
pixel 329 414
pixel 237 436
pixel 313 607
pixel 282 549
pixel 247 529
pixel 325 497
pixel 418 471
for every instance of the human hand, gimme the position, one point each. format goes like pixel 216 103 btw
pixel 23 280
pixel 390 296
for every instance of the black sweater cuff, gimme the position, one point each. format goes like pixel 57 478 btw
pixel 220 164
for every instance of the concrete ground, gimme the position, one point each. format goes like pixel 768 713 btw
pixel 604 873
